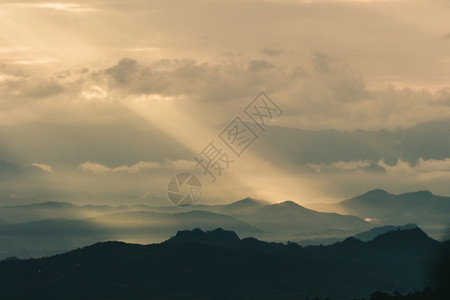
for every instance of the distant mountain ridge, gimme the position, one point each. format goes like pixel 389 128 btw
pixel 378 197
pixel 57 226
pixel 293 218
pixel 244 206
pixel 422 207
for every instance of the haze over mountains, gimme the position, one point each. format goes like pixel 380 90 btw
pixel 48 228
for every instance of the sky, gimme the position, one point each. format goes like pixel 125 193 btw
pixel 105 101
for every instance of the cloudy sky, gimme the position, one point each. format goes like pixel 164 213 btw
pixel 104 101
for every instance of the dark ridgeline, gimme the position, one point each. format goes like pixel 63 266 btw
pixel 219 265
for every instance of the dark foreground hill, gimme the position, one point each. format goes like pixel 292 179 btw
pixel 219 265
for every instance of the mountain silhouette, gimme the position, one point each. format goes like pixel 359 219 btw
pixel 50 236
pixel 423 208
pixel 290 217
pixel 41 229
pixel 219 265
pixel 244 206
pixel 377 200
pixel 392 245
pixel 374 232
pixel 217 237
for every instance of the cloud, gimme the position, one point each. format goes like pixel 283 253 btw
pixel 140 166
pixel 43 167
pixel 335 97
pixel 98 168
pixel 374 167
pixel 180 164
pixel 35 61
pixel 259 65
pixel 20 86
pixel 326 1
pixel 322 62
pixel 323 94
pixel 197 81
pixel 348 166
pixel 423 166
pixel 68 7
pixel 362 87
pixel 95 92
pixel 124 71
pixel 272 51
pixel 347 179
pixel 4 78
pixel 290 147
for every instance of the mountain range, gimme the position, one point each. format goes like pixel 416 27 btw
pixel 218 264
pixel 48 228
pixel 427 210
